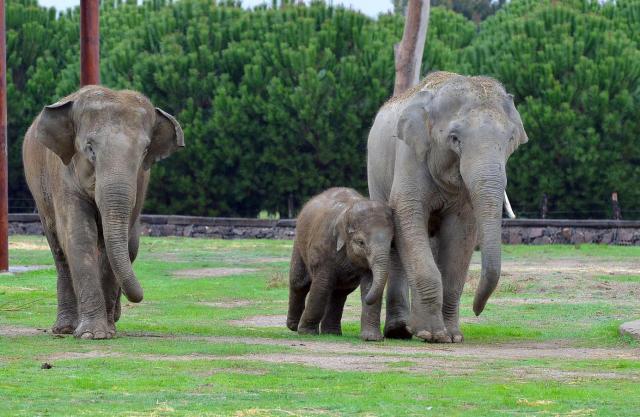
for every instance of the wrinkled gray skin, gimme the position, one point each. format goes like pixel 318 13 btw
pixel 437 155
pixel 87 160
pixel 342 240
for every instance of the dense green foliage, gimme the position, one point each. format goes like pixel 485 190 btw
pixel 476 10
pixel 276 103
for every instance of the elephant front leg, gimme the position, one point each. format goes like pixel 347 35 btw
pixel 370 316
pixel 83 255
pixel 322 285
pixel 67 317
pixel 413 245
pixel 457 239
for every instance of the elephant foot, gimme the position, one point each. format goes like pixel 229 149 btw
pixel 396 329
pixel 292 325
pixel 94 329
pixel 431 330
pixel 337 331
pixel 371 335
pixel 455 334
pixel 64 326
pixel 306 329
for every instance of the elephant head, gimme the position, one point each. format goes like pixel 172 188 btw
pixel 111 136
pixel 365 230
pixel 464 131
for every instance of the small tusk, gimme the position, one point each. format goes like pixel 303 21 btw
pixel 507 206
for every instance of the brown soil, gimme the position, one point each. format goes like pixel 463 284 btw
pixel 350 313
pixel 29 245
pixel 13 331
pixel 370 363
pixel 265 260
pixel 567 266
pixel 94 354
pixel 501 351
pixel 211 272
pixel 228 303
pixel 261 321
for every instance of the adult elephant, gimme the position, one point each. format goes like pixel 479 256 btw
pixel 87 160
pixel 437 155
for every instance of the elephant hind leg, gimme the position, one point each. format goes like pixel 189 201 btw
pixel 299 285
pixel 67 317
pixel 395 326
pixel 111 291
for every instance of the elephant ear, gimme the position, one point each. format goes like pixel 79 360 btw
pixel 166 138
pixel 56 131
pixel 413 125
pixel 520 135
pixel 341 230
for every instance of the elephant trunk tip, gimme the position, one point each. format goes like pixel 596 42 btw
pixel 478 306
pixel 133 291
pixel 134 297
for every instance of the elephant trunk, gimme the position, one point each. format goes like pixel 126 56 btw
pixel 380 271
pixel 486 184
pixel 115 199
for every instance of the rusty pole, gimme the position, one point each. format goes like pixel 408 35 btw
pixel 4 171
pixel 89 42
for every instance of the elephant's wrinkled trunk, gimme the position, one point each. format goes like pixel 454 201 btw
pixel 115 198
pixel 486 184
pixel 380 271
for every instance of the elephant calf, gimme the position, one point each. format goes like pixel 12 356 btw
pixel 86 161
pixel 342 240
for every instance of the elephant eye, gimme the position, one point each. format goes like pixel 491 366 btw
pixel 453 138
pixel 90 152
pixel 359 242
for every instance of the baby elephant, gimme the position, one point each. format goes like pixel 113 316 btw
pixel 342 240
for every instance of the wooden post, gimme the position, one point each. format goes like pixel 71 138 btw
pixel 4 171
pixel 408 53
pixel 89 42
pixel 615 206
pixel 290 205
pixel 544 206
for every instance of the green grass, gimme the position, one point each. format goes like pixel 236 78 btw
pixel 186 351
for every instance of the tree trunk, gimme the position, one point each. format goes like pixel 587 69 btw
pixel 408 52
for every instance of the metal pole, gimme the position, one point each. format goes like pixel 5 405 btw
pixel 89 42
pixel 4 171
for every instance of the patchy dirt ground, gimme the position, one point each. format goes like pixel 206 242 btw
pixel 212 272
pixel 379 357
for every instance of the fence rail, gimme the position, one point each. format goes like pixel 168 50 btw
pixel 515 231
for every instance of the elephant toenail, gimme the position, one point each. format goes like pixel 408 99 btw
pixel 86 335
pixel 424 335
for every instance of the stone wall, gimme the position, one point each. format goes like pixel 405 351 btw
pixel 514 231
